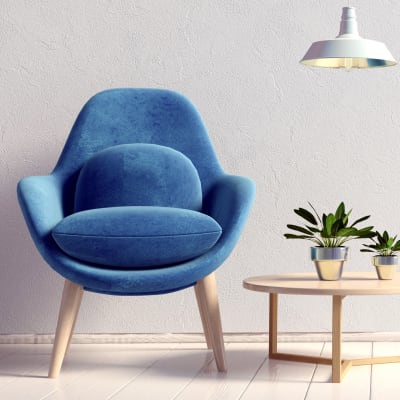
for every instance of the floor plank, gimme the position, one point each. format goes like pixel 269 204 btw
pixel 355 385
pixel 168 376
pixel 243 361
pixel 26 376
pixel 278 379
pixel 187 371
pixel 109 368
pixel 22 361
pixel 385 382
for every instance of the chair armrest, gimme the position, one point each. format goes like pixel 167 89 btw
pixel 229 202
pixel 41 202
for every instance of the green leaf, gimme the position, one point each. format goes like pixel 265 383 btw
pixel 324 231
pixel 367 229
pixel 360 220
pixel 336 227
pixel 385 236
pixel 329 221
pixel 345 219
pixel 380 238
pixel 366 232
pixel 315 211
pixel 347 232
pixel 371 246
pixel 291 236
pixel 299 229
pixel 367 251
pixel 306 215
pixel 312 229
pixel 340 212
pixel 368 235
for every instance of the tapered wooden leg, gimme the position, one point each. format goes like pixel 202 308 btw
pixel 207 292
pixel 70 303
pixel 72 332
pixel 204 320
pixel 273 324
pixel 337 339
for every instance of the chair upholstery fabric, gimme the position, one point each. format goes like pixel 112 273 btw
pixel 136 236
pixel 138 175
pixel 126 116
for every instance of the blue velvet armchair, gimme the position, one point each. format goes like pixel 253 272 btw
pixel 137 204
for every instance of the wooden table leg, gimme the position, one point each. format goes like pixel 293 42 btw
pixel 337 339
pixel 339 367
pixel 273 323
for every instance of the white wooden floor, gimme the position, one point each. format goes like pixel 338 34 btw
pixel 186 371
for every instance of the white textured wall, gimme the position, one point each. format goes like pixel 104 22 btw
pixel 302 134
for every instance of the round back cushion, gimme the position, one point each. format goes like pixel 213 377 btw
pixel 138 174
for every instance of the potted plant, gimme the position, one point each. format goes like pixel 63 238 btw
pixel 386 248
pixel 329 233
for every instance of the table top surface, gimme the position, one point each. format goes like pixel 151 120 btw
pixel 352 283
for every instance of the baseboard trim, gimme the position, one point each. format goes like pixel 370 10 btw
pixel 104 338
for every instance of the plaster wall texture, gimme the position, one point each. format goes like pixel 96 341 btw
pixel 302 134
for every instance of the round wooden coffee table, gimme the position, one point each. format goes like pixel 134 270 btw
pixel 356 283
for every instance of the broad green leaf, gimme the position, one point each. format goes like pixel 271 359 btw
pixel 366 229
pixel 347 232
pixel 371 246
pixel 329 221
pixel 348 214
pixel 336 227
pixel 299 229
pixel 380 238
pixel 312 229
pixel 340 212
pixel 324 231
pixel 360 220
pixel 315 211
pixel 385 236
pixel 368 235
pixel 306 215
pixel 291 236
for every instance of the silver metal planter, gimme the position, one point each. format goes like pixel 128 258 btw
pixel 329 261
pixel 386 266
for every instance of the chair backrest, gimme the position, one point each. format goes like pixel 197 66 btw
pixel 128 115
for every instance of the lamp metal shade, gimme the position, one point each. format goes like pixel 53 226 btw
pixel 348 49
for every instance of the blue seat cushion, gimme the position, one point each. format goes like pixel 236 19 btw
pixel 138 174
pixel 136 236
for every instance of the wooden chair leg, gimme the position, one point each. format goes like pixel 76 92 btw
pixel 69 308
pixel 207 292
pixel 72 332
pixel 201 303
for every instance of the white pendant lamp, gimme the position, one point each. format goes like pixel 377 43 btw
pixel 348 49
